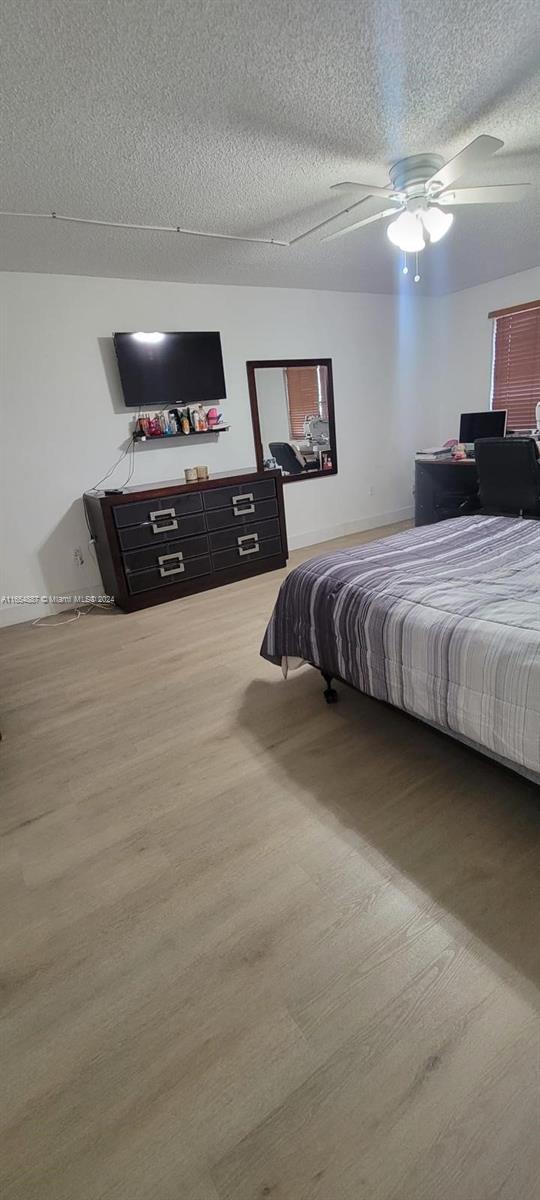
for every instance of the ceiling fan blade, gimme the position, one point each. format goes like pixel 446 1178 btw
pixel 503 193
pixel 327 221
pixel 473 155
pixel 388 212
pixel 365 188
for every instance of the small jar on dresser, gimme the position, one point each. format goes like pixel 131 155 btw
pixel 171 539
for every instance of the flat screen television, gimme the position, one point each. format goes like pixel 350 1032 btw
pixel 166 370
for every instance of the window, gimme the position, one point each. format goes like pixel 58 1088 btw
pixel 516 363
pixel 305 396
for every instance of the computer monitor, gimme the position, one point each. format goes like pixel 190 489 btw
pixel 482 425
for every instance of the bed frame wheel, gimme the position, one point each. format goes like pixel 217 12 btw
pixel 329 693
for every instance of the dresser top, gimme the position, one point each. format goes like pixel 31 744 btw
pixel 164 486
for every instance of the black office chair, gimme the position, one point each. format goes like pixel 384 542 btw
pixel 287 458
pixel 508 476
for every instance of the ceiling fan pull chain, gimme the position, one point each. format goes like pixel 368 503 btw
pixel 404 269
pixel 417 273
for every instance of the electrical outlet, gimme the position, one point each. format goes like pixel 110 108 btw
pixel 78 556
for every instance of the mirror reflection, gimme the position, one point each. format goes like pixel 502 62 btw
pixel 293 423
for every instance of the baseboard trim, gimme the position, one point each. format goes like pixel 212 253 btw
pixel 299 540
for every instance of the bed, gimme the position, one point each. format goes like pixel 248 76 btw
pixel 442 621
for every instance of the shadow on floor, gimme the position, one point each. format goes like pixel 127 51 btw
pixel 458 826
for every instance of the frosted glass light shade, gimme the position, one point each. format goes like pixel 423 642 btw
pixel 436 223
pixel 406 232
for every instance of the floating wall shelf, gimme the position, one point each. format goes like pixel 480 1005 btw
pixel 179 437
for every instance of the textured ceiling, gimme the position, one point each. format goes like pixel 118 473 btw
pixel 238 115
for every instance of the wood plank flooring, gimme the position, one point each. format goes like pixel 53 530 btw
pixel 254 946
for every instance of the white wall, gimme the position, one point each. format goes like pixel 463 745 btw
pixel 463 344
pixel 64 423
pixel 404 368
pixel 273 406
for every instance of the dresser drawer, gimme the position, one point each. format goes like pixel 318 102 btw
pixel 144 581
pixel 143 535
pixel 260 510
pixel 247 553
pixel 150 556
pixel 225 539
pixel 161 513
pixel 241 496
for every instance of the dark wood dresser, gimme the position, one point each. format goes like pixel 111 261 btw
pixel 168 540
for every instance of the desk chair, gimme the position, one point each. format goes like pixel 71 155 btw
pixel 288 458
pixel 508 476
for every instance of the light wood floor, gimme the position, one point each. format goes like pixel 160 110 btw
pixel 254 946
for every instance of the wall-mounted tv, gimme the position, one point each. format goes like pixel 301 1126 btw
pixel 169 369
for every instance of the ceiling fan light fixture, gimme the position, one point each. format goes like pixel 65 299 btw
pixel 406 232
pixel 436 223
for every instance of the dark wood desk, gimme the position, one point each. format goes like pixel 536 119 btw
pixel 441 488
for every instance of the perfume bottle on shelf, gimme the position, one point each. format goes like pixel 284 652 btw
pixel 203 422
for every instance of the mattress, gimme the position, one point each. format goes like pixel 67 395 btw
pixel 442 621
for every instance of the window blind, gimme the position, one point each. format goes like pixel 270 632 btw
pixel 516 364
pixel 303 394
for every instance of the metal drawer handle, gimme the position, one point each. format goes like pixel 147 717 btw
pixel 248 537
pixel 246 500
pixel 167 558
pixel 155 518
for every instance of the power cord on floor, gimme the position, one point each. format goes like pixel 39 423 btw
pixel 45 623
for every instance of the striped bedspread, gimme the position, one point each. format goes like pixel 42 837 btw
pixel 442 621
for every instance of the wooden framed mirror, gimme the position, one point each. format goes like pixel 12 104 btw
pixel 292 412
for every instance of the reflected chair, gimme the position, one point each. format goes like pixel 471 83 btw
pixel 290 460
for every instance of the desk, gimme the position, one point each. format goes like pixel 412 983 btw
pixel 441 487
pixel 312 449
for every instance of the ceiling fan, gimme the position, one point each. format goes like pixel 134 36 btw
pixel 421 193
